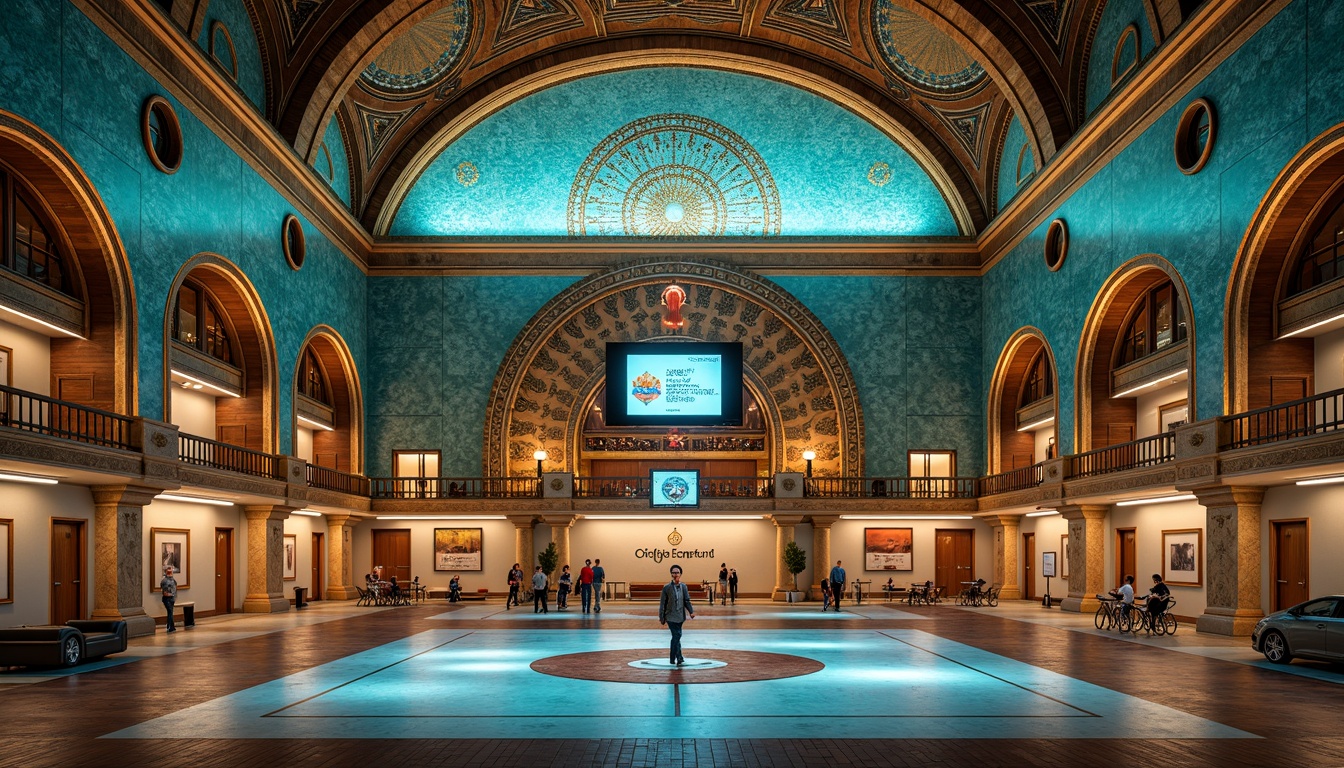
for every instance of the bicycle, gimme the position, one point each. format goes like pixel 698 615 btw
pixel 1160 624
pixel 1111 614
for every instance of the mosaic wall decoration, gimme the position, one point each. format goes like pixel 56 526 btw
pixel 526 20
pixel 423 55
pixel 379 126
pixel 967 125
pixel 674 175
pixel 919 53
pixel 823 21
pixel 557 362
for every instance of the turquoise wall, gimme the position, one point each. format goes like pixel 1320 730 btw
pixel 251 81
pixel 1271 97
pixel 818 153
pixel 61 72
pixel 340 162
pixel 1117 15
pixel 1012 149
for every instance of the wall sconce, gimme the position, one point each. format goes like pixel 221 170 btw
pixel 540 456
pixel 808 456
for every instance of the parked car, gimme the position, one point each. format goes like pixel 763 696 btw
pixel 61 646
pixel 1311 630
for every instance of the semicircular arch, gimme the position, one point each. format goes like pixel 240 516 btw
pixel 1025 342
pixel 336 358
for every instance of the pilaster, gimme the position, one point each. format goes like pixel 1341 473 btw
pixel 560 525
pixel 821 548
pixel 1087 555
pixel 1006 554
pixel 523 550
pixel 784 533
pixel 265 558
pixel 1232 559
pixel 118 555
pixel 340 562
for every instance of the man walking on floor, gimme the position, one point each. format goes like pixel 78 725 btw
pixel 673 607
pixel 539 583
pixel 837 584
pixel 168 586
pixel 599 576
pixel 586 584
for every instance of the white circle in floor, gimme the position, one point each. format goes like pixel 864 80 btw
pixel 691 664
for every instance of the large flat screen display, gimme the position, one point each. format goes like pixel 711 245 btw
pixel 674 384
pixel 674 487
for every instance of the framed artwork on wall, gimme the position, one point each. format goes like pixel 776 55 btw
pixel 291 557
pixel 1048 565
pixel 1173 415
pixel 170 546
pixel 6 561
pixel 1182 553
pixel 1064 556
pixel 457 549
pixel 888 549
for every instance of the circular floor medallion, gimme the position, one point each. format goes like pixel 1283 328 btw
pixel 624 666
pixel 689 665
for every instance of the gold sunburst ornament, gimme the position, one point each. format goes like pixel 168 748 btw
pixel 467 174
pixel 674 538
pixel 879 174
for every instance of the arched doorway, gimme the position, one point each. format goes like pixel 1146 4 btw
pixel 1023 403
pixel 328 404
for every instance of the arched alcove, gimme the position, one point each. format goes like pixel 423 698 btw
pixel 1015 417
pixel 336 423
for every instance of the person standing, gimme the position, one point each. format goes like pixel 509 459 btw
pixel 586 585
pixel 168 586
pixel 732 585
pixel 723 583
pixel 515 583
pixel 837 584
pixel 563 589
pixel 674 606
pixel 599 576
pixel 539 584
pixel 825 594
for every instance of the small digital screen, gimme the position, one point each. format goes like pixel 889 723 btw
pixel 674 487
pixel 674 384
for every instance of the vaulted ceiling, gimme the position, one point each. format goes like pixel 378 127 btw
pixel 951 73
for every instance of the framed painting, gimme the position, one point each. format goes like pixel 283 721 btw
pixel 457 549
pixel 291 557
pixel 6 561
pixel 888 549
pixel 170 546
pixel 1182 553
pixel 1173 415
pixel 1064 556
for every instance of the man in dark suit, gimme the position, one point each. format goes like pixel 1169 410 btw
pixel 673 607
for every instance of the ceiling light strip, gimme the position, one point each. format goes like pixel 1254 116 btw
pixel 194 499
pixel 41 322
pixel 317 424
pixel 1153 383
pixel 1157 500
pixel 195 380
pixel 18 477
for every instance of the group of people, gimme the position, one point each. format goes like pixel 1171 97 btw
pixel 591 579
pixel 833 587
pixel 1155 602
pixel 727 584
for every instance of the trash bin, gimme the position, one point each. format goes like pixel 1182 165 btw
pixel 298 597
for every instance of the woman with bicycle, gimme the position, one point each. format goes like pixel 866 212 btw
pixel 1158 596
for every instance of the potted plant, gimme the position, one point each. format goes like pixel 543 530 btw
pixel 548 560
pixel 795 559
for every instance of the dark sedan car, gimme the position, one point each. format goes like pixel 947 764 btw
pixel 1311 630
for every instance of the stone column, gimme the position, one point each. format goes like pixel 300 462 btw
pixel 340 560
pixel 1007 543
pixel 523 550
pixel 560 525
pixel 821 549
pixel 784 533
pixel 1231 559
pixel 1087 555
pixel 118 556
pixel 265 559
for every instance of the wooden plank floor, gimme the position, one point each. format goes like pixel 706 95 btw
pixel 59 721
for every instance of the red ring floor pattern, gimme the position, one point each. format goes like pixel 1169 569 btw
pixel 614 666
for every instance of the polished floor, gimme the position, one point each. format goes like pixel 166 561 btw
pixel 768 684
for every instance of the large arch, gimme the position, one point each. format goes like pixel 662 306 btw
pixel 1104 323
pixel 109 342
pixel 259 406
pixel 348 408
pixel 558 357
pixel 1272 238
pixel 1009 374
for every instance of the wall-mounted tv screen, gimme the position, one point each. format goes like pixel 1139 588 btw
pixel 672 384
pixel 674 487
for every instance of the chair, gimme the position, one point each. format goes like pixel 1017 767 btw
pixel 364 597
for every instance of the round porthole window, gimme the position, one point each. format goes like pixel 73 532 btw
pixel 1194 136
pixel 291 236
pixel 162 134
pixel 1056 244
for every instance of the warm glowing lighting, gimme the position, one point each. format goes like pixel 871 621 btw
pixel 1035 424
pixel 1043 513
pixel 1322 480
pixel 539 455
pixel 906 517
pixel 1162 380
pixel 809 455
pixel 1340 316
pixel 673 517
pixel 21 478
pixel 317 424
pixel 306 513
pixel 43 323
pixel 443 517
pixel 194 499
pixel 195 380
pixel 1156 500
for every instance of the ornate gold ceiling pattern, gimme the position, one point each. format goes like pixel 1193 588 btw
pixel 919 53
pixel 424 55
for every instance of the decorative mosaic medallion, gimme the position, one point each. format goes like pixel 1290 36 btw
pixel 674 175
pixel 920 53
pixel 879 174
pixel 467 173
pixel 424 54
pixel 616 666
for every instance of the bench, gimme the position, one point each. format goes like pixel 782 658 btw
pixel 647 590
pixel 55 646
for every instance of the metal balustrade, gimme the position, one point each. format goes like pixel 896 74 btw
pixel 44 415
pixel 335 480
pixel 890 487
pixel 1287 421
pixel 454 487
pixel 1135 454
pixel 1013 480
pixel 216 455
pixel 595 487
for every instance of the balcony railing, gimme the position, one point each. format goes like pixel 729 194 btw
pixel 32 412
pixel 891 487
pixel 335 480
pixel 595 487
pixel 454 487
pixel 1144 452
pixel 216 455
pixel 1013 480
pixel 1300 418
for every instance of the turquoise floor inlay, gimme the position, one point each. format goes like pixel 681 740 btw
pixel 876 684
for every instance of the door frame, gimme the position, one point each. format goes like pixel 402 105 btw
pixel 83 566
pixel 318 570
pixel 1274 559
pixel 1028 573
pixel 971 531
pixel 228 583
pixel 1119 564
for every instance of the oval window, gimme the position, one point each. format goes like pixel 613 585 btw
pixel 162 134
pixel 291 235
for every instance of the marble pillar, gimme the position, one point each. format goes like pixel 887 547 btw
pixel 340 560
pixel 1007 554
pixel 560 525
pixel 118 556
pixel 821 550
pixel 265 558
pixel 1087 555
pixel 1232 559
pixel 523 550
pixel 784 533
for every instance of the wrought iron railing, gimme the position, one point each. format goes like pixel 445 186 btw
pixel 335 480
pixel 1300 418
pixel 44 415
pixel 1012 480
pixel 1135 454
pixel 212 453
pixel 891 487
pixel 736 487
pixel 454 487
pixel 615 487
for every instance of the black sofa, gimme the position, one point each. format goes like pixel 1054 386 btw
pixel 60 646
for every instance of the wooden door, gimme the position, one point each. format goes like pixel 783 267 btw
pixel 223 571
pixel 1126 557
pixel 67 570
pixel 315 591
pixel 953 559
pixel 392 550
pixel 1029 566
pixel 1289 563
